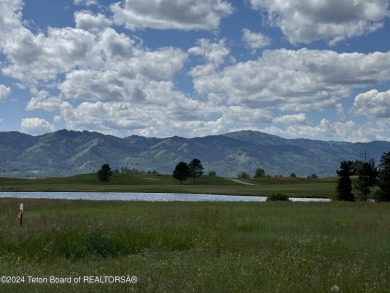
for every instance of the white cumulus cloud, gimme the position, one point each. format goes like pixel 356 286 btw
pixel 373 104
pixel 88 21
pixel 305 21
pixel 36 126
pixel 42 100
pixel 171 14
pixel 4 92
pixel 294 80
pixel 212 52
pixel 35 58
pixel 85 2
pixel 255 40
pixel 291 119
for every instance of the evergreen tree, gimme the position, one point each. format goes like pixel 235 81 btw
pixel 344 184
pixel 367 178
pixel 181 172
pixel 195 168
pixel 384 178
pixel 105 173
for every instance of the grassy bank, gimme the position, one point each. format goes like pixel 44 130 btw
pixel 198 247
pixel 324 187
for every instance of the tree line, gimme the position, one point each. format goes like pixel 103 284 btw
pixel 369 176
pixel 104 173
pixel 182 172
pixel 260 173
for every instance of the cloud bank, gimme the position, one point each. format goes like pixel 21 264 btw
pixel 99 75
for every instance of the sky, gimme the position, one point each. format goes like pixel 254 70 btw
pixel 316 69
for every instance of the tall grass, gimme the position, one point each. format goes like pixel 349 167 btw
pixel 198 247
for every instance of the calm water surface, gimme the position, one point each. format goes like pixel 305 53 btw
pixel 135 196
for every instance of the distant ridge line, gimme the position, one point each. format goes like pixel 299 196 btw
pixel 68 152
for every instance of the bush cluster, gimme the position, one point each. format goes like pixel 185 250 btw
pixel 277 197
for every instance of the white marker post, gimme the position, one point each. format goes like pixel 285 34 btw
pixel 20 215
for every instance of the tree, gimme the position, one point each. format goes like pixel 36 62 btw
pixel 181 172
pixel 367 178
pixel 259 173
pixel 344 184
pixel 357 167
pixel 314 176
pixel 293 175
pixel 105 173
pixel 213 173
pixel 384 178
pixel 243 175
pixel 195 168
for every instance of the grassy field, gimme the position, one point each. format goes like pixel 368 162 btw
pixel 196 247
pixel 301 187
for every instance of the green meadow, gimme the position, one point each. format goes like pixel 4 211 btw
pixel 122 246
pixel 195 247
pixel 301 187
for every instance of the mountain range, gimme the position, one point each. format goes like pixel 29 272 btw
pixel 64 153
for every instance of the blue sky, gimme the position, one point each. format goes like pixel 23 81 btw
pixel 317 69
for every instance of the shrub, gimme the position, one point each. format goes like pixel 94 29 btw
pixel 277 197
pixel 379 195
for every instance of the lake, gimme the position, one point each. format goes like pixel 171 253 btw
pixel 136 196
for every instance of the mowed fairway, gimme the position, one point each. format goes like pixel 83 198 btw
pixel 300 187
pixel 196 247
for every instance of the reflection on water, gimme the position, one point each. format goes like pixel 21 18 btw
pixel 135 196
